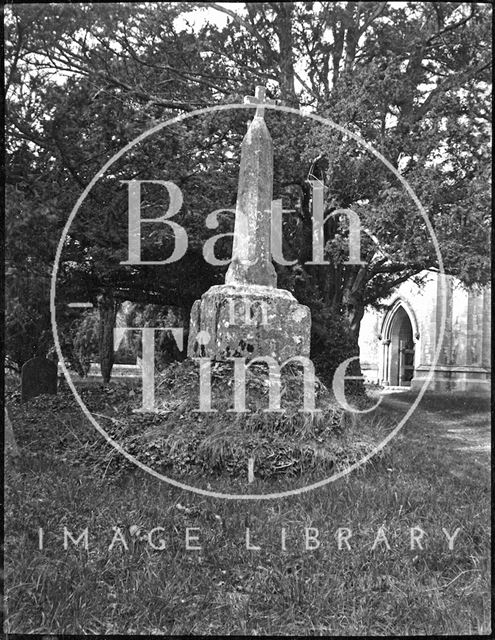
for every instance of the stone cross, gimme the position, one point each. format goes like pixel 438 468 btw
pixel 251 254
pixel 259 99
pixel 248 317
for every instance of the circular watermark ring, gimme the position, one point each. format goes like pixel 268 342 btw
pixel 243 496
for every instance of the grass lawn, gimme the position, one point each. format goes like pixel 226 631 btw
pixel 434 475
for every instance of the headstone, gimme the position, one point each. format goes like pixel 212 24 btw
pixel 248 316
pixel 38 376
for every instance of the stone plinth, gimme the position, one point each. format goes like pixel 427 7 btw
pixel 249 321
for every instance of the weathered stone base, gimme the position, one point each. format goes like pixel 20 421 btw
pixel 249 321
pixel 474 379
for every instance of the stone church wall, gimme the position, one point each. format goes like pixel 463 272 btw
pixel 460 359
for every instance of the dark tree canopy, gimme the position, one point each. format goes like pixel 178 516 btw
pixel 83 80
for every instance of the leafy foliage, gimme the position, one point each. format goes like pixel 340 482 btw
pixel 82 81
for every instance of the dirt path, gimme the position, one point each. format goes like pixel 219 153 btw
pixel 458 426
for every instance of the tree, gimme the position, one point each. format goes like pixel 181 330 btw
pixel 79 133
pixel 11 446
pixel 413 80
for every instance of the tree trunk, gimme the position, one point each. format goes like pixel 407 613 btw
pixel 11 448
pixel 283 27
pixel 353 305
pixel 354 318
pixel 107 308
pixel 352 299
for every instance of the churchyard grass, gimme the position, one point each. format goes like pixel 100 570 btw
pixel 433 475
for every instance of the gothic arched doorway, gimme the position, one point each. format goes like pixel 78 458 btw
pixel 398 358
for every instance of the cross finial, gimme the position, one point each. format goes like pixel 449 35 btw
pixel 260 100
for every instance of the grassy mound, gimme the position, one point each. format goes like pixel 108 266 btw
pixel 185 444
pixel 183 441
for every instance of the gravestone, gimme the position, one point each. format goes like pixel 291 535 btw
pixel 38 376
pixel 248 316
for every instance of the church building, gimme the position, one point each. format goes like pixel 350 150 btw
pixel 398 343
